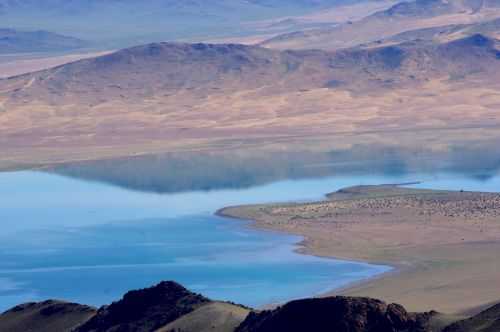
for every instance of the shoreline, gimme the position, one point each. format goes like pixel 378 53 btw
pixel 412 265
pixel 302 249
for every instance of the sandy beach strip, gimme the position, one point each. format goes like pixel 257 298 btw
pixel 444 245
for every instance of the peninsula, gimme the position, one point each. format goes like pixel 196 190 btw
pixel 443 244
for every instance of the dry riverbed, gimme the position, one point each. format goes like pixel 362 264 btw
pixel 445 245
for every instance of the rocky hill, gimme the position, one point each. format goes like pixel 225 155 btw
pixel 145 310
pixel 340 314
pixel 169 307
pixel 162 69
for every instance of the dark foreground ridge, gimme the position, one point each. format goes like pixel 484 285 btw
pixel 145 310
pixel 339 314
pixel 169 307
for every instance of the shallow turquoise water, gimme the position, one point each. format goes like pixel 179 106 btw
pixel 91 242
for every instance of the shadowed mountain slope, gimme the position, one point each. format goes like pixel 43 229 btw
pixel 48 316
pixel 340 314
pixel 145 310
pixel 169 307
pixel 486 321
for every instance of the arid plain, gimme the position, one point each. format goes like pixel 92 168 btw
pixel 443 244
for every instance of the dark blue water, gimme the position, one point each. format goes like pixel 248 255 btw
pixel 91 242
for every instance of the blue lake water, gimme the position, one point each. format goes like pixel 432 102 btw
pixel 91 242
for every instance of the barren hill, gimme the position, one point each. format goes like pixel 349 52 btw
pixel 163 69
pixel 169 307
pixel 145 310
pixel 47 316
pixel 203 93
pixel 340 314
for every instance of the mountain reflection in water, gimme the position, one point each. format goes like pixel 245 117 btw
pixel 205 171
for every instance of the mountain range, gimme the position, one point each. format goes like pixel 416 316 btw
pixel 404 17
pixel 423 65
pixel 208 92
pixel 119 23
pixel 160 70
pixel 169 307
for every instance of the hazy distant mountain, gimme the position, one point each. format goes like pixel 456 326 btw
pixel 400 18
pixel 14 41
pixel 133 22
pixel 442 33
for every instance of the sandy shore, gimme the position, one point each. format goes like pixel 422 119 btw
pixel 444 245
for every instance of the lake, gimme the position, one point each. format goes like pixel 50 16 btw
pixel 89 239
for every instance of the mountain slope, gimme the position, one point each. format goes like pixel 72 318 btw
pixel 486 321
pixel 338 314
pixel 145 310
pixel 216 316
pixel 490 29
pixel 402 17
pixel 48 316
pixel 162 69
pixel 13 41
pixel 185 95
pixel 169 307
pixel 165 307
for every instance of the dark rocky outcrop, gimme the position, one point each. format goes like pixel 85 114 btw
pixel 339 314
pixel 145 310
pixel 169 307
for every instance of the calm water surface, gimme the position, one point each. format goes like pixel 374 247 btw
pixel 90 242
